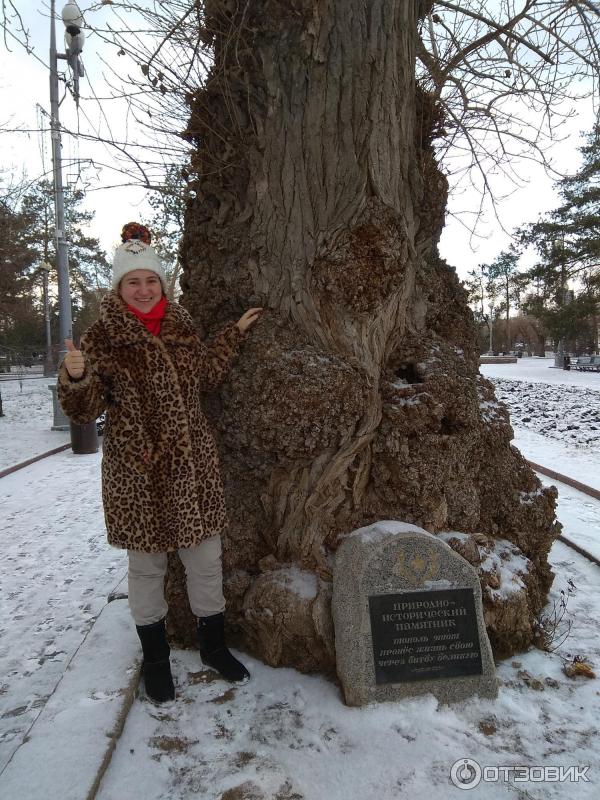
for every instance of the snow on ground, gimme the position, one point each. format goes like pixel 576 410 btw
pixel 541 370
pixel 25 428
pixel 580 463
pixel 56 574
pixel 578 514
pixel 567 413
pixel 556 418
pixel 555 415
pixel 287 736
pixel 565 407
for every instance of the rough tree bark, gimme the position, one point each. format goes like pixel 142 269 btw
pixel 357 396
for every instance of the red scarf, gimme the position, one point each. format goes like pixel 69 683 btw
pixel 152 318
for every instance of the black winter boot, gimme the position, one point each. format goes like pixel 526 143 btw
pixel 156 667
pixel 214 653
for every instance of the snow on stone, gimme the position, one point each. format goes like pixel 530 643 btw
pixel 370 533
pixel 442 583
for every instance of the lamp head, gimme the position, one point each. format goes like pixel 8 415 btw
pixel 72 18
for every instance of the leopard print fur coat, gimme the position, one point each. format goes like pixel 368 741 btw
pixel 161 484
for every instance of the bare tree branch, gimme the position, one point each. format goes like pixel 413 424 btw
pixel 501 71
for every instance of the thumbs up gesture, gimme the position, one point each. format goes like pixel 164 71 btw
pixel 73 360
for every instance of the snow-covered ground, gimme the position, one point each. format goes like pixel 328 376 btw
pixel 566 408
pixel 555 415
pixel 287 736
pixel 56 574
pixel 556 418
pixel 25 428
pixel 541 370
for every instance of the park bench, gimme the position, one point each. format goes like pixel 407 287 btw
pixel 586 363
pixel 594 364
pixel 580 363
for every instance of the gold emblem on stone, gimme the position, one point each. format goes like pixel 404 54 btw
pixel 419 567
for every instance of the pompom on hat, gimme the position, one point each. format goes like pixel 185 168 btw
pixel 136 253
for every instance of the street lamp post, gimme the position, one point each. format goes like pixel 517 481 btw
pixel 490 352
pixel 559 251
pixel 62 248
pixel 84 438
pixel 48 365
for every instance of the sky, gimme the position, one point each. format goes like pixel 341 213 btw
pixel 24 85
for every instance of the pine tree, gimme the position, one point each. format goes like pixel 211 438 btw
pixel 16 274
pixel 568 244
pixel 27 240
pixel 88 266
pixel 578 219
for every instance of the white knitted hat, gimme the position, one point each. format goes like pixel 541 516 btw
pixel 135 254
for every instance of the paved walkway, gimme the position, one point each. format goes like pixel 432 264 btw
pixel 56 574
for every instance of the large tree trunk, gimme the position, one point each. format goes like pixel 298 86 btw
pixel 357 396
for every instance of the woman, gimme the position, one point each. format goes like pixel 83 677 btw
pixel 144 364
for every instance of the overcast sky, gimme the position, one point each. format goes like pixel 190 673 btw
pixel 24 83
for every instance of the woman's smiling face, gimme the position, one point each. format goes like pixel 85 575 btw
pixel 141 289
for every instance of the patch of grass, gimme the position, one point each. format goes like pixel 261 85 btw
pixel 487 727
pixel 243 758
pixel 171 744
pixel 285 793
pixel 245 791
pixel 195 678
pixel 225 697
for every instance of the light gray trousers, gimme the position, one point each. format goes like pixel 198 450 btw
pixel 204 578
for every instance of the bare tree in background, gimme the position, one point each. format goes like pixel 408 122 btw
pixel 506 75
pixel 166 221
pixel 505 72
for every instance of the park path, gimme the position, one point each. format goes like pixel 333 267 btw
pixel 57 572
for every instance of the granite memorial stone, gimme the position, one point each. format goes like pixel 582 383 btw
pixel 408 618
